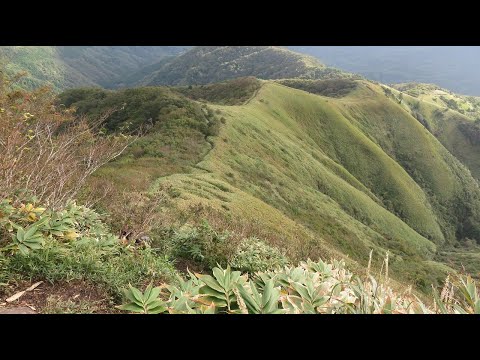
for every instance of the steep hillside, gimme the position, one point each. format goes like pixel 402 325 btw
pixel 208 64
pixel 316 175
pixel 465 105
pixel 43 65
pixel 450 117
pixel 135 77
pixel 65 67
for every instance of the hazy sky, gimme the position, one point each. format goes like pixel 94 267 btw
pixel 456 68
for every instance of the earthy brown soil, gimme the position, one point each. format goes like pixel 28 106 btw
pixel 183 264
pixel 75 291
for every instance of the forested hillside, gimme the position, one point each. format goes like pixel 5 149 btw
pixel 208 64
pixel 65 67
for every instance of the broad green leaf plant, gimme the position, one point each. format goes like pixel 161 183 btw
pixel 310 288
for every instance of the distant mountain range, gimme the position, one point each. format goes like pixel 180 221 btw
pixel 452 67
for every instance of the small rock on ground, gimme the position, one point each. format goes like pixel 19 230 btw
pixel 17 310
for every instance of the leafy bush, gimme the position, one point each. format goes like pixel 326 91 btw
pixel 461 296
pixel 253 255
pixel 202 244
pixel 210 248
pixel 231 92
pixel 71 243
pixel 110 267
pixel 221 289
pixel 29 226
pixel 265 302
pixel 134 214
pixel 146 303
pixel 186 297
pixel 159 109
pixel 331 88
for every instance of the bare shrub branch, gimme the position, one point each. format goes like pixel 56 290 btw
pixel 47 151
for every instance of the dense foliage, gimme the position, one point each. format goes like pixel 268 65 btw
pixel 209 64
pixel 72 243
pixel 46 156
pixel 204 245
pixel 331 88
pixel 160 108
pixel 231 92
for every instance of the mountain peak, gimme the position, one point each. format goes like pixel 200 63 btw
pixel 207 64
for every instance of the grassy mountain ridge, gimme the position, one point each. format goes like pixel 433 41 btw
pixel 395 185
pixel 348 164
pixel 319 175
pixel 252 174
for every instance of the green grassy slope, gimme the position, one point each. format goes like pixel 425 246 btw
pixel 318 125
pixel 285 172
pixel 452 118
pixel 466 105
pixel 315 175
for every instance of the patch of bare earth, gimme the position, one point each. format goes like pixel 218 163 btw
pixel 67 297
pixel 184 265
